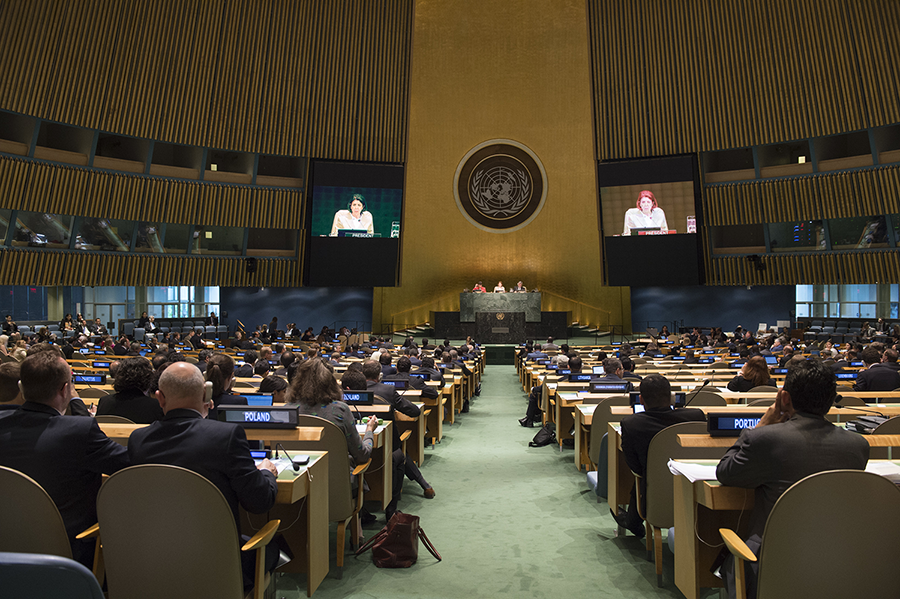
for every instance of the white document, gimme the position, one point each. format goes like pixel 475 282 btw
pixel 889 470
pixel 693 472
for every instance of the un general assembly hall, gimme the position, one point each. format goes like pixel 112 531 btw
pixel 266 229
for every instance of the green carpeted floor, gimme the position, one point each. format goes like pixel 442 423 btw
pixel 509 521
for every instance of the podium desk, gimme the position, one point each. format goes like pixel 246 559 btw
pixel 302 500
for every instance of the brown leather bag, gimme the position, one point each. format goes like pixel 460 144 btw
pixel 397 544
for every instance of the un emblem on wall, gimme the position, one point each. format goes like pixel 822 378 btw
pixel 500 185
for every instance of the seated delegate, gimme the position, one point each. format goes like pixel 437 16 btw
pixel 754 373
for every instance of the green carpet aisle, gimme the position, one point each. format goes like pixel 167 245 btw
pixel 509 521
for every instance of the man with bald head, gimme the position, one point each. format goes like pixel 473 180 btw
pixel 66 455
pixel 217 450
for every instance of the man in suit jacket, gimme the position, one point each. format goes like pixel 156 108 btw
pixel 415 382
pixel 876 377
pixel 792 441
pixel 428 368
pixel 372 371
pixel 66 455
pixel 245 369
pixel 387 369
pixel 614 371
pixel 216 450
pixel 639 429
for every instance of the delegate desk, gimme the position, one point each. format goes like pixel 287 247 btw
pixel 705 506
pixel 311 483
pixel 620 478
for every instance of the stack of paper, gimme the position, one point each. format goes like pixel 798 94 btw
pixel 889 470
pixel 693 472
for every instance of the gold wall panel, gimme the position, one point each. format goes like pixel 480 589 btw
pixel 863 267
pixel 43 268
pixel 496 69
pixel 866 192
pixel 44 187
pixel 326 78
pixel 676 76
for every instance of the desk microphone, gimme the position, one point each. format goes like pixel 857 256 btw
pixel 696 391
pixel 294 465
pixel 858 409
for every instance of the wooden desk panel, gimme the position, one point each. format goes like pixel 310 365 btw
pixel 307 537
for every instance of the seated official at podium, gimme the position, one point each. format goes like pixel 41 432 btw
pixel 355 217
pixel 647 215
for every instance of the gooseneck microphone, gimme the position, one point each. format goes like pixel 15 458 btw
pixel 694 393
pixel 294 465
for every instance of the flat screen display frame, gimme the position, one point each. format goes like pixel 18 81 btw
pixel 651 259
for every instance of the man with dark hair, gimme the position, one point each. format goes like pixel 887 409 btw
pixel 792 440
pixel 428 368
pixel 387 369
pixel 403 367
pixel 614 371
pixel 628 369
pixel 637 432
pixel 203 359
pixel 410 469
pixel 875 377
pixel 244 369
pixel 388 394
pixel 218 451
pixel 134 349
pixel 286 358
pixel 535 355
pixel 66 456
pixel 413 354
pixel 889 360
pixel 575 364
pixel 134 378
pixel 9 325
pixel 549 346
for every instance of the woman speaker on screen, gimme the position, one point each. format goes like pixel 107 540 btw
pixel 355 217
pixel 647 215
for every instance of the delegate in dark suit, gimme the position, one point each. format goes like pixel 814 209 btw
pixel 217 450
pixel 877 378
pixel 639 429
pixel 791 442
pixel 130 404
pixel 66 455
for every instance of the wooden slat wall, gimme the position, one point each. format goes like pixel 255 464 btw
pixel 864 267
pixel 676 76
pixel 43 187
pixel 867 192
pixel 35 267
pixel 328 78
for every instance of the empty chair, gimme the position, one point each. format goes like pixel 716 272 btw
pixel 889 427
pixel 151 548
pixel 128 329
pixel 343 506
pixel 113 419
pixel 91 393
pixel 849 400
pixel 764 389
pixel 704 398
pixel 209 332
pixel 47 577
pixel 30 520
pixel 53 328
pixel 824 511
pixel 768 401
pixel 598 444
pixel 660 512
pixel 139 334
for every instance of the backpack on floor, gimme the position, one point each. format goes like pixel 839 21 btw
pixel 545 436
pixel 397 544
